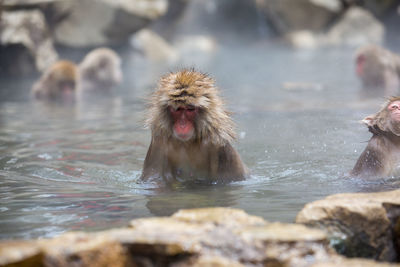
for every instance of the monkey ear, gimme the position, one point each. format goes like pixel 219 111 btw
pixel 369 120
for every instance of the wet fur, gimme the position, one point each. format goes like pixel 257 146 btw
pixel 381 71
pixel 47 86
pixel 208 156
pixel 100 70
pixel 381 157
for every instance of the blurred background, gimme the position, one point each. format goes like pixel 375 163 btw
pixel 284 67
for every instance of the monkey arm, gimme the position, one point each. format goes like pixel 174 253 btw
pixel 230 166
pixel 153 163
pixel 372 162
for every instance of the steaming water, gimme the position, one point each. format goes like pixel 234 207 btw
pixel 76 167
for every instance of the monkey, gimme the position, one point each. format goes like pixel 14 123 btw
pixel 58 82
pixel 379 71
pixel 191 133
pixel 100 70
pixel 381 157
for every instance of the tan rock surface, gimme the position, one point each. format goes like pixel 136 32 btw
pixel 362 223
pixel 215 237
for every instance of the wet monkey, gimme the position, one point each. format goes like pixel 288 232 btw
pixel 381 157
pixel 378 70
pixel 100 70
pixel 58 82
pixel 191 133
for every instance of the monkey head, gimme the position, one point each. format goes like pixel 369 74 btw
pixel 102 67
pixel 186 107
pixel 387 119
pixel 59 82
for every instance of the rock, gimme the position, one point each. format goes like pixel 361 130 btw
pixel 201 237
pixel 81 249
pixel 360 225
pixel 25 44
pixel 357 27
pixel 303 39
pixel 153 46
pixel 343 262
pixel 218 216
pixel 103 22
pixel 196 43
pixel 287 15
pixel 379 7
pixel 20 253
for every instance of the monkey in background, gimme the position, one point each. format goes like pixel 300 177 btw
pixel 381 157
pixel 379 71
pixel 58 82
pixel 100 70
pixel 191 133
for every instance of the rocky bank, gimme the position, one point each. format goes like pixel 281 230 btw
pixel 230 237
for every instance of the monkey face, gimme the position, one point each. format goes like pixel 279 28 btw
pixel 183 119
pixel 394 111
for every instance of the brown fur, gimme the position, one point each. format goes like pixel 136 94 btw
pixel 381 157
pixel 208 155
pixel 100 70
pixel 381 71
pixel 47 87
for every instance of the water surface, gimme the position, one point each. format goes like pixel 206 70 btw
pixel 76 167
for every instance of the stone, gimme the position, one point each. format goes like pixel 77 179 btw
pixel 218 237
pixel 355 262
pixel 25 43
pixel 357 27
pixel 287 15
pixel 83 249
pixel 359 225
pixel 303 39
pixel 20 253
pixel 153 46
pixel 103 22
pixel 218 216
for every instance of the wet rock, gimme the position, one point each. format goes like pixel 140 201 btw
pixel 360 225
pixel 153 46
pixel 218 216
pixel 357 27
pixel 344 262
pixel 287 16
pixel 379 7
pixel 25 44
pixel 223 237
pixel 210 261
pixel 103 22
pixel 81 249
pixel 303 39
pixel 20 253
pixel 199 237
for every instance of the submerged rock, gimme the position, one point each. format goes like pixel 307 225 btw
pixel 360 225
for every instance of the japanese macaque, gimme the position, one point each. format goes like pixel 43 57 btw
pixel 191 133
pixel 100 70
pixel 381 157
pixel 378 70
pixel 58 82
